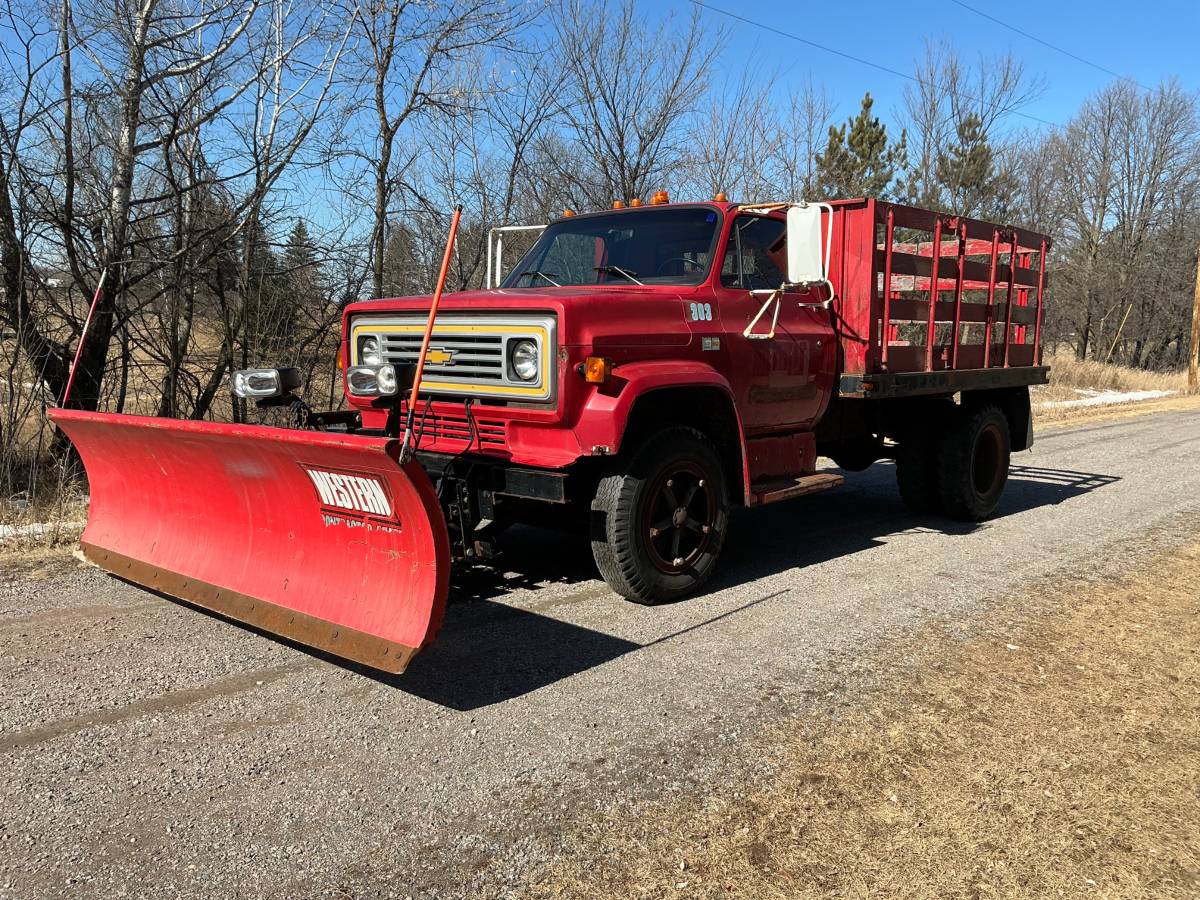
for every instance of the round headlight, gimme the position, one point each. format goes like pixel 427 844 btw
pixel 524 360
pixel 368 351
pixel 386 377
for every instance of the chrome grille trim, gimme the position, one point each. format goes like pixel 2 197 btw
pixel 478 346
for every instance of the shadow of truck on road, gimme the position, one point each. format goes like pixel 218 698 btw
pixel 489 651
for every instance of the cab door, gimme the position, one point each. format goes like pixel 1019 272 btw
pixel 781 382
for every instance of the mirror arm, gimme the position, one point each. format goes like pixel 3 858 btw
pixel 776 297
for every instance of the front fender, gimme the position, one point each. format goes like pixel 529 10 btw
pixel 602 424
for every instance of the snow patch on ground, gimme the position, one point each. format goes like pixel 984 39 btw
pixel 36 529
pixel 1104 398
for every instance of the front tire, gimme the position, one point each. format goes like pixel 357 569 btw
pixel 658 528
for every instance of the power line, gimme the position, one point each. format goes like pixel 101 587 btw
pixel 858 59
pixel 1057 49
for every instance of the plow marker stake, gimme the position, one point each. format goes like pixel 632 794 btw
pixel 321 538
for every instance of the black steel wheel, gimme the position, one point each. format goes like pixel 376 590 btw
pixel 658 527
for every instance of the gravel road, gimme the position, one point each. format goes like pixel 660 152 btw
pixel 151 750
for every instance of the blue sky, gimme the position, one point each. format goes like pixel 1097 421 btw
pixel 1146 41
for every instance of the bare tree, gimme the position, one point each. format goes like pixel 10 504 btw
pixel 953 116
pixel 407 53
pixel 1126 190
pixel 628 108
pixel 734 138
pixel 803 129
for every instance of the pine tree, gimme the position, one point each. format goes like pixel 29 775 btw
pixel 300 281
pixel 265 298
pixel 299 258
pixel 967 172
pixel 858 160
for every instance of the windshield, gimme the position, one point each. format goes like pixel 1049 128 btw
pixel 647 246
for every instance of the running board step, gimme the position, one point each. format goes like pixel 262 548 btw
pixel 787 488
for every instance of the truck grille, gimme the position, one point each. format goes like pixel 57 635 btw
pixel 468 354
pixel 442 430
pixel 476 357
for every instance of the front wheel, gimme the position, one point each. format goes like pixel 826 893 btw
pixel 658 528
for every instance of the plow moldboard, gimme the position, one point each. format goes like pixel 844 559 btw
pixel 321 538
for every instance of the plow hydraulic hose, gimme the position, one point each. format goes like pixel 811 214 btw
pixel 406 447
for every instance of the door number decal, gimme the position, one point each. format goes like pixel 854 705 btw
pixel 701 312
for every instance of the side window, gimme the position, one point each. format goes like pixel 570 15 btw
pixel 756 254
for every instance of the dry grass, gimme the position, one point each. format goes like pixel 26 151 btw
pixel 1059 757
pixel 1068 373
pixel 1069 377
pixel 37 561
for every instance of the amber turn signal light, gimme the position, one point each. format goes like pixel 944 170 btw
pixel 596 369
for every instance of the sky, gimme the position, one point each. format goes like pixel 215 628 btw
pixel 1147 42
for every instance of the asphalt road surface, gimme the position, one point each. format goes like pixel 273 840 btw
pixel 151 750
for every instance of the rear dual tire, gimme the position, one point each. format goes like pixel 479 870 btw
pixel 959 471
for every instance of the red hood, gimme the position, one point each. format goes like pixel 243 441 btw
pixel 590 307
pixel 510 298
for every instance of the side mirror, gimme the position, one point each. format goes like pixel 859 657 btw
pixel 805 257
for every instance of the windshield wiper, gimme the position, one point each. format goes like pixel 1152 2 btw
pixel 617 270
pixel 537 273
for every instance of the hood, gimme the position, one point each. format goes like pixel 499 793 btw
pixel 551 298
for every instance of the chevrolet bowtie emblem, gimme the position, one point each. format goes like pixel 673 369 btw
pixel 438 357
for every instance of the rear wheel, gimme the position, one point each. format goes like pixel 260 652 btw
pixel 973 463
pixel 658 528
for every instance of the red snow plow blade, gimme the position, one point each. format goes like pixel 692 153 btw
pixel 321 538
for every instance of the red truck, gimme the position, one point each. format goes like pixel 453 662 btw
pixel 641 369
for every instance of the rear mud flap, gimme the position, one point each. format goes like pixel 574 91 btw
pixel 321 538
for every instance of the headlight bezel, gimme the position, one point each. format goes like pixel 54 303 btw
pixel 479 344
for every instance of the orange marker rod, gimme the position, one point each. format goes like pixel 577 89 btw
pixel 433 309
